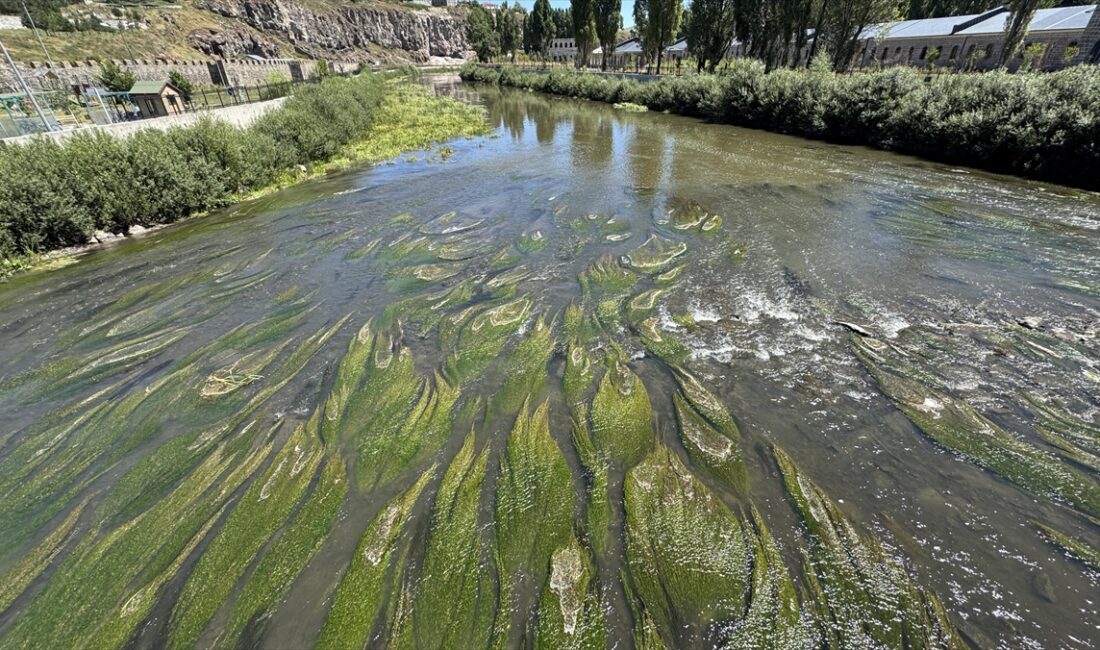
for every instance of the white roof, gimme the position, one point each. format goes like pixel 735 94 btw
pixel 1045 20
pixel 991 22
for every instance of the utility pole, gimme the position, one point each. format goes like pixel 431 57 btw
pixel 26 89
pixel 36 34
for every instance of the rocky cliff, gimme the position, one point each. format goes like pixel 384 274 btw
pixel 347 31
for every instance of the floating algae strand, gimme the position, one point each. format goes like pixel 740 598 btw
pixel 534 506
pixel 621 416
pixel 686 551
pixel 863 597
pixel 374 570
pixel 453 603
pixel 1085 553
pixel 571 609
pixel 961 429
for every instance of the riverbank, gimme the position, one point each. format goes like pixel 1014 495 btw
pixel 60 194
pixel 1040 125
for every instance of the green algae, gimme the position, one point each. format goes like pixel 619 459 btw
pixel 271 580
pixel 707 404
pixel 453 603
pixel 21 574
pixel 579 372
pixel 529 243
pixel 708 448
pixel 102 575
pixel 534 505
pixel 524 370
pixel 655 255
pixel 385 455
pixel 687 553
pixel 1085 553
pixel 374 571
pixel 571 608
pixel 481 338
pixel 261 511
pixel 621 416
pixel 605 277
pixel 774 618
pixel 958 427
pixel 660 343
pixel 863 597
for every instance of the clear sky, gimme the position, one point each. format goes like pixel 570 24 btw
pixel 628 8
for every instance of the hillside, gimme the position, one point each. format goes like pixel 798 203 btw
pixel 373 32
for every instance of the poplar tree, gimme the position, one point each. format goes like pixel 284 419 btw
pixel 584 29
pixel 660 24
pixel 542 28
pixel 709 31
pixel 1020 13
pixel 609 19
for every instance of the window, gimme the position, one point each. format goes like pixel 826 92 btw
pixel 910 57
pixel 954 54
pixel 923 53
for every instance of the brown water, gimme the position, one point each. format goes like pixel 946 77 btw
pixel 941 262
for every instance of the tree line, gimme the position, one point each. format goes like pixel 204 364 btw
pixel 780 33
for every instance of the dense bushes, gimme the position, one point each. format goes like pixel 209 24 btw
pixel 1042 125
pixel 56 195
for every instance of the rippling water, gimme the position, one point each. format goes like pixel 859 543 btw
pixel 246 429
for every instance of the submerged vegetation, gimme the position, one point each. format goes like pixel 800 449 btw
pixel 1039 125
pixel 463 433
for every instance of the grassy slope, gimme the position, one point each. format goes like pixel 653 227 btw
pixel 165 37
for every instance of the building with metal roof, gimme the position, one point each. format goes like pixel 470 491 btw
pixel 1056 38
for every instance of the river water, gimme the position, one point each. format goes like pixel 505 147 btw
pixel 987 288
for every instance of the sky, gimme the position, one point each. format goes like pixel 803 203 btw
pixel 628 8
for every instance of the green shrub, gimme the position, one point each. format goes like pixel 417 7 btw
pixel 57 195
pixel 1041 125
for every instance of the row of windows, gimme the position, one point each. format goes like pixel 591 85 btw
pixel 972 53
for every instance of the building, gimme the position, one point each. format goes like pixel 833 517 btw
pixel 157 98
pixel 562 49
pixel 11 22
pixel 1058 38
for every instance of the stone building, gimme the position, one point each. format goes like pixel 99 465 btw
pixel 1058 37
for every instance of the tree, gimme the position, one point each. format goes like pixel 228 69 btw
pixel 709 30
pixel 509 31
pixel 608 15
pixel 182 83
pixel 840 22
pixel 563 22
pixel 542 27
pixel 584 29
pixel 482 34
pixel 1020 13
pixel 660 20
pixel 114 78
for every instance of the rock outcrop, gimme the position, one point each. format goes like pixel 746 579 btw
pixel 343 30
pixel 232 43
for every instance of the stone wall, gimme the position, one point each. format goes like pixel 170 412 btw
pixel 967 51
pixel 244 72
pixel 11 22
pixel 1090 41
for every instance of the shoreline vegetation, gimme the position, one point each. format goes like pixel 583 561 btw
pixel 1044 126
pixel 57 195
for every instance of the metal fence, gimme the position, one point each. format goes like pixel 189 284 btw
pixel 64 109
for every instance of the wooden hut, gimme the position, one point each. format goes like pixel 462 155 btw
pixel 157 98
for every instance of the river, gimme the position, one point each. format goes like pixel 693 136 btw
pixel 251 428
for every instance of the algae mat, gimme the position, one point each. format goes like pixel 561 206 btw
pixel 600 380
